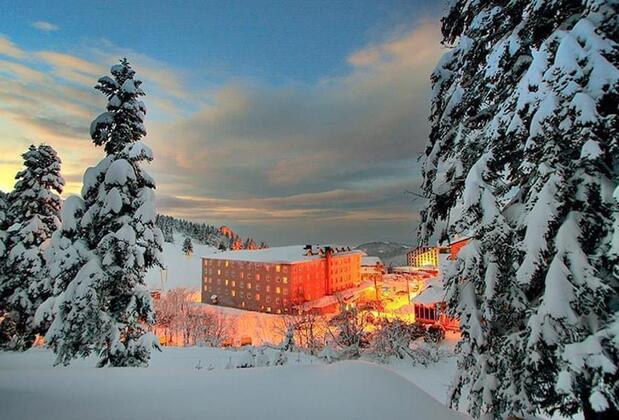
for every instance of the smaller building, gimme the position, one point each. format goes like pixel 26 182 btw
pixel 372 269
pixel 423 257
pixel 429 306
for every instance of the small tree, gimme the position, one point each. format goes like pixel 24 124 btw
pixel 187 247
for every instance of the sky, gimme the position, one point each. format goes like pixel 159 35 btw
pixel 289 121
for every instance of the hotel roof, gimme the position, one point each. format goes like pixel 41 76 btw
pixel 282 254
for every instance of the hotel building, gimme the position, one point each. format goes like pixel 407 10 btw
pixel 275 280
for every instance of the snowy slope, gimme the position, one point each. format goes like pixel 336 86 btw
pixel 182 271
pixel 173 389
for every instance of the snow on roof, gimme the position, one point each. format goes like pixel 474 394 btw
pixel 432 293
pixel 282 254
pixel 368 260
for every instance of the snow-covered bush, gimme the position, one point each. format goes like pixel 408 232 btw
pixel 247 360
pixel 393 338
pixel 280 359
pixel 348 331
pixel 426 353
pixel 328 354
pixel 435 333
pixel 261 359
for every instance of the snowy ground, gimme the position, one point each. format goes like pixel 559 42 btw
pixel 181 270
pixel 172 388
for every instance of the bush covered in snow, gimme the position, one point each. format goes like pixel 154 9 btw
pixel 393 338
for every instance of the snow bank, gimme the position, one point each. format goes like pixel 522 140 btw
pixel 347 390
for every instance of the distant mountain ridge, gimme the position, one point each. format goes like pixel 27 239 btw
pixel 391 253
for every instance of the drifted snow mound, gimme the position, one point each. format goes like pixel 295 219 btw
pixel 347 390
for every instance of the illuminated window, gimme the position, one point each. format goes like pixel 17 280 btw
pixel 268 309
pixel 257 276
pixel 285 280
pixel 234 293
pixel 279 311
pixel 219 272
pixel 227 282
pixel 268 288
pixel 243 304
pixel 257 296
pixel 278 290
pixel 226 263
pixel 205 263
pixel 249 285
pixel 277 268
pixel 242 275
pixel 233 283
pixel 205 288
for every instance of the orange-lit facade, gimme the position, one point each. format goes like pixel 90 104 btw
pixel 277 286
pixel 455 247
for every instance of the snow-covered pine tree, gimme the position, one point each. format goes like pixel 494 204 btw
pixel 4 222
pixel 106 306
pixel 65 256
pixel 523 149
pixel 187 247
pixel 33 211
pixel 569 101
pixel 4 204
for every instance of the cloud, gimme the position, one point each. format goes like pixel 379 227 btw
pixel 48 96
pixel 259 139
pixel 323 156
pixel 324 161
pixel 45 26
pixel 9 49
